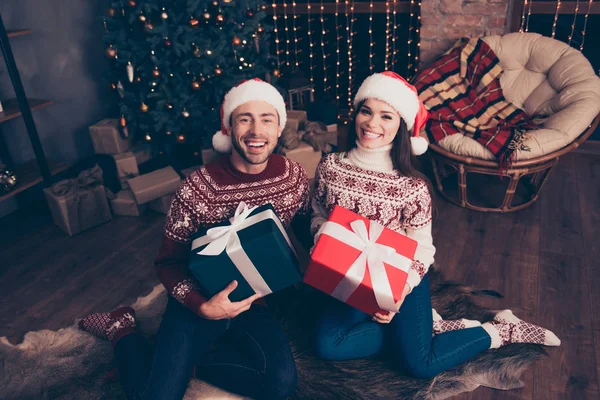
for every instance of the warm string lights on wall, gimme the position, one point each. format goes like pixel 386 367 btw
pixel 276 31
pixel 349 35
pixel 387 34
pixel 410 37
pixel 585 21
pixel 323 50
pixel 310 44
pixel 287 34
pixel 337 51
pixel 574 20
pixel 394 26
pixel 555 18
pixel 295 28
pixel 371 36
pixel 418 30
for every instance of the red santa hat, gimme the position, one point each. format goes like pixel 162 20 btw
pixel 249 90
pixel 390 87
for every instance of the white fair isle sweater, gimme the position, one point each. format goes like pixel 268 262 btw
pixel 364 181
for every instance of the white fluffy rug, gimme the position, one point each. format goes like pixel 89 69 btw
pixel 70 364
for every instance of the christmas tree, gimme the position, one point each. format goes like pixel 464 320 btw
pixel 173 61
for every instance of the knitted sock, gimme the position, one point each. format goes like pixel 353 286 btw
pixel 506 328
pixel 112 326
pixel 440 325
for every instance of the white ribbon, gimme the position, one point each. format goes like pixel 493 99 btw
pixel 372 257
pixel 225 238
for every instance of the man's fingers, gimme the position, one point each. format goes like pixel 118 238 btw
pixel 248 302
pixel 229 288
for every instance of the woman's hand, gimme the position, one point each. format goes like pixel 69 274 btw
pixel 387 318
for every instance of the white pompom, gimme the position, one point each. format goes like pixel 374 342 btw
pixel 221 142
pixel 419 145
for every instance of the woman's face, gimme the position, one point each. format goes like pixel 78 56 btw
pixel 377 124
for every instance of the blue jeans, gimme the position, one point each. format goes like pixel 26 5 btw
pixel 249 355
pixel 345 333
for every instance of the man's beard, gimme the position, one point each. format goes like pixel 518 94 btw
pixel 254 160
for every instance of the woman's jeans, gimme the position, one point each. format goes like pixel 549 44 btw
pixel 344 333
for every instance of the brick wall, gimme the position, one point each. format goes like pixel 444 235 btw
pixel 444 21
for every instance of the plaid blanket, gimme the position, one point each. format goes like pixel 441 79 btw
pixel 462 92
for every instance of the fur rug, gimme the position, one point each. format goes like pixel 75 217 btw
pixel 68 364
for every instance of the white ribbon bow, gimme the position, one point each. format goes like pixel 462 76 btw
pixel 225 238
pixel 372 255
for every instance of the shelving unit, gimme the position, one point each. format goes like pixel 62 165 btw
pixel 41 169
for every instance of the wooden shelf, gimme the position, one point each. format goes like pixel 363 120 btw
pixel 12 110
pixel 28 175
pixel 18 32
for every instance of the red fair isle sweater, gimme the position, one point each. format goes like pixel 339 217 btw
pixel 209 196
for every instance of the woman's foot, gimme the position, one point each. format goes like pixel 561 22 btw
pixel 441 326
pixel 506 328
pixel 112 326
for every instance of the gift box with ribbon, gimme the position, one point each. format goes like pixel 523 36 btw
pixel 306 156
pixel 154 185
pixel 162 204
pixel 360 262
pixel 80 203
pixel 107 139
pixel 251 247
pixel 124 204
pixel 127 168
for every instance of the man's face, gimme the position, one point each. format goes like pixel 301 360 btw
pixel 255 131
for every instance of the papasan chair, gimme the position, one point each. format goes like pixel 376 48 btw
pixel 545 78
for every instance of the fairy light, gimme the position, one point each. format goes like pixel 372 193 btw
pixel 323 51
pixel 337 52
pixel 523 16
pixel 418 30
pixel 410 35
pixel 585 21
pixel 387 33
pixel 350 34
pixel 371 36
pixel 275 30
pixel 555 18
pixel 394 37
pixel 310 43
pixel 295 28
pixel 287 34
pixel 574 19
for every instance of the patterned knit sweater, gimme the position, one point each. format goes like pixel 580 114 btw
pixel 365 182
pixel 209 196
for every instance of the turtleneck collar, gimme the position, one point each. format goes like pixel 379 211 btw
pixel 379 159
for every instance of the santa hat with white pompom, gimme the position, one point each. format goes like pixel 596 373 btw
pixel 390 87
pixel 246 91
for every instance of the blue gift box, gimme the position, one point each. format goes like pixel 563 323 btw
pixel 252 247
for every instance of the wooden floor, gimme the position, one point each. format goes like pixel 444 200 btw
pixel 545 260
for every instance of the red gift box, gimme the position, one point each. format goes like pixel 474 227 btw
pixel 352 253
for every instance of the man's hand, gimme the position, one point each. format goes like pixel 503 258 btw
pixel 387 318
pixel 220 307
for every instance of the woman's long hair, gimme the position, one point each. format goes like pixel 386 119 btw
pixel 402 158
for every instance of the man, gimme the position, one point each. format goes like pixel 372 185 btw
pixel 252 355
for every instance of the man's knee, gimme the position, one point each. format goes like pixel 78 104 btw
pixel 281 381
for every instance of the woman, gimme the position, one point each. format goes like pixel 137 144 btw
pixel 378 180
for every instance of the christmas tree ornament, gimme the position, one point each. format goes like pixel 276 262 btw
pixel 155 72
pixel 120 89
pixel 130 71
pixel 111 52
pixel 168 133
pixel 148 26
pixel 113 86
pixel 111 12
pixel 148 137
pixel 8 180
pixel 249 13
pixel 215 3
pixel 195 85
pixel 220 19
pixel 218 71
pixel 181 138
pixel 260 29
pixel 138 79
pixel 164 15
pixel 169 106
pixel 144 107
pixel 263 7
pixel 276 73
pixel 194 22
pixel 123 121
pixel 227 1
pixel 167 42
pixel 236 40
pixel 132 3
pixel 197 52
pixel 185 113
pixel 206 15
pixel 142 18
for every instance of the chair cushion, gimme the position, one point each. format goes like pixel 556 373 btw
pixel 548 79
